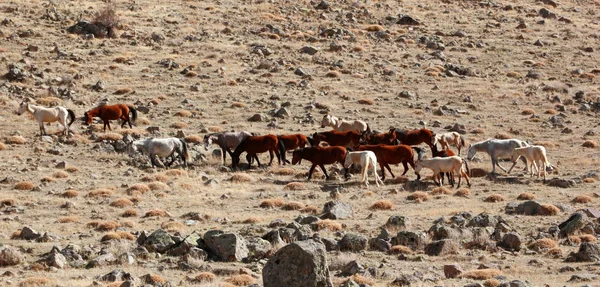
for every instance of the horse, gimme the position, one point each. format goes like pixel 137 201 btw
pixel 335 138
pixel 344 125
pixel 391 154
pixel 112 112
pixel 450 139
pixel 415 137
pixel 497 149
pixel 226 141
pixel 292 142
pixel 366 159
pixel 48 115
pixel 320 156
pixel 533 155
pixel 383 138
pixel 165 147
pixel 254 145
pixel 439 165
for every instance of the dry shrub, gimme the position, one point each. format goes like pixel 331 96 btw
pixel 156 177
pixel 60 174
pixel 329 224
pixel 441 190
pixel 2 146
pixel 582 199
pixel 24 185
pixel 589 144
pixel 107 226
pixel 478 131
pixel 184 114
pixel 108 18
pixel 333 74
pixel 157 213
pixel 481 274
pixel 588 238
pixel 555 251
pixel 101 192
pixel 366 102
pixel 194 139
pixel 463 192
pixel 179 125
pixel 574 239
pixel 400 249
pixel 273 202
pixel 513 74
pixel 36 282
pixel 143 121
pixel 130 213
pixel 241 280
pixel 418 196
pixel 70 193
pixel 172 226
pixel 283 171
pixel 109 136
pixel 71 169
pixel 358 49
pixel 294 186
pixel 551 112
pixel 157 185
pixel 237 105
pixel 310 209
pixel 121 202
pixel 362 280
pixel 527 112
pixel 292 205
pixel 215 129
pixel 494 198
pixel 543 244
pixel 589 180
pixel 374 28
pixel 138 188
pixel 548 210
pixel 123 91
pixel 478 172
pixel 251 220
pixel 526 196
pixel 382 205
pixel 67 219
pixel 8 202
pixel 492 282
pixel 502 136
pixel 204 277
pixel 118 236
pixel 155 280
pixel 15 140
pixel 49 101
pixel 240 178
pixel 176 173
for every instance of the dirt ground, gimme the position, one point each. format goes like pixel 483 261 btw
pixel 504 71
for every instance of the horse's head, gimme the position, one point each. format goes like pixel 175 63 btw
pixel 207 141
pixel 471 153
pixel 326 121
pixel 22 108
pixel 131 149
pixel 297 156
pixel 87 118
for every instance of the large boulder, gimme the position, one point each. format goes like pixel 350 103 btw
pixel 10 256
pixel 353 242
pixel 398 222
pixel 588 252
pixel 416 240
pixel 298 264
pixel 441 247
pixel 336 210
pixel 159 241
pixel 511 241
pixel 184 246
pixel 575 222
pixel 229 247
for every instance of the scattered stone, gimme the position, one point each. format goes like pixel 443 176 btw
pixel 102 260
pixel 353 242
pixel 407 20
pixel 545 13
pixel 228 247
pixel 159 241
pixel 441 247
pixel 588 252
pixel 452 270
pixel 298 264
pixel 398 222
pixel 353 267
pixel 84 28
pixel 575 222
pixel 258 118
pixel 583 277
pixel 337 210
pixel 511 241
pixel 309 50
pixel 10 256
pixel 416 240
pixel 562 183
pixel 323 5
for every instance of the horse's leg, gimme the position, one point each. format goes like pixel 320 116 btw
pixel 459 176
pixel 390 170
pixel 346 171
pixel 405 164
pixel 311 170
pixel 256 158
pixel 324 171
pixel 224 151
pixel 271 156
pixel 42 129
pixel 381 166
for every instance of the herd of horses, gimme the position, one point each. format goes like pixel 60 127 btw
pixel 349 143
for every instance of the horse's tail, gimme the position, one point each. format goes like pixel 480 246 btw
pixel 365 170
pixel 368 130
pixel 133 114
pixel 310 141
pixel 462 141
pixel 419 151
pixel 467 166
pixel 71 115
pixel 186 151
pixel 281 147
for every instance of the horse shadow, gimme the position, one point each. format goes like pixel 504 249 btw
pixel 508 179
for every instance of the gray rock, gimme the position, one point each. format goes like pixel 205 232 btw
pixel 229 247
pixel 545 13
pixel 102 260
pixel 398 222
pixel 353 242
pixel 298 264
pixel 29 234
pixel 573 224
pixel 258 248
pixel 379 244
pixel 416 240
pixel 530 207
pixel 309 50
pixel 511 241
pixel 353 267
pixel 55 259
pixel 441 247
pixel 10 256
pixel 588 252
pixel 159 241
pixel 337 210
pixel 115 275
pixel 323 5
pixel 485 220
pixel 301 72
pixel 452 270
pixel 184 246
pixel 586 277
pixel 407 20
pixel 514 283
pixel 405 280
pixel 283 113
pixel 258 118
pixel 407 95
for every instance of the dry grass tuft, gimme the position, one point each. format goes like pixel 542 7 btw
pixel 67 219
pixel 157 185
pixel 589 180
pixel 374 28
pixel 36 282
pixel 121 202
pixel 548 210
pixel 104 226
pixel 310 209
pixel 527 112
pixel 513 74
pixel 110 136
pixel 172 226
pixel 251 220
pixel 283 171
pixel 138 188
pixel 183 114
pixel 543 244
pixel 143 121
pixel 240 178
pixel 60 174
pixel 71 169
pixel 292 205
pixel 492 282
pixel 123 91
pixel 194 139
pixel 24 185
pixel 8 202
pixel 481 274
pixel 494 198
pixel 241 280
pixel 588 238
pixel 156 177
pixel 418 196
pixel 441 190
pixel 366 102
pixel 237 105
pixel 502 136
pixel 328 224
pixel 15 140
pixel 333 74
pixel 204 277
pixel 551 112
pixel 362 280
pixel 130 213
pixel 70 193
pixel 2 146
pixel 179 125
pixel 526 196
pixel 382 205
pixel 273 202
pixel 463 192
pixel 294 186
pixel 555 251
pixel 590 144
pixel 582 199
pixel 575 239
pixel 117 236
pixel 214 129
pixel 176 173
pixel 478 131
pixel 157 213
pixel 101 192
pixel 400 249
pixel 107 17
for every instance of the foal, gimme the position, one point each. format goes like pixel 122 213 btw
pixel 366 159
pixel 320 156
pixel 451 138
pixel 533 155
pixel 452 164
pixel 254 145
pixel 113 112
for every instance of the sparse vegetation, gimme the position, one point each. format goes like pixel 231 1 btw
pixel 526 196
pixel 329 224
pixel 24 185
pixel 582 199
pixel 481 274
pixel 418 196
pixel 494 198
pixel 382 205
pixel 15 140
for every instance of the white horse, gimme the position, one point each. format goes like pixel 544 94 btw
pixel 366 159
pixel 450 139
pixel 533 155
pixel 226 141
pixel 344 125
pixel 440 165
pixel 48 115
pixel 497 149
pixel 165 147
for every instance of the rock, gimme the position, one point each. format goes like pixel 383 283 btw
pixel 573 224
pixel 452 270
pixel 102 260
pixel 407 20
pixel 353 267
pixel 72 253
pixel 514 283
pixel 55 259
pixel 337 210
pixel 405 280
pixel 10 256
pixel 158 37
pixel 398 222
pixel 353 242
pixel 511 241
pixel 562 183
pixel 545 13
pixel 184 246
pixel 583 277
pixel 379 244
pixel 283 113
pixel 530 207
pixel 407 95
pixel 534 75
pixel 323 5
pixel 154 280
pixel 416 240
pixel 258 118
pixel 153 129
pixel 301 72
pixel 159 241
pixel 298 264
pixel 309 50
pixel 588 252
pixel 29 234
pixel 350 283
pixel 84 28
pixel 258 248
pixel 539 43
pixel 441 247
pixel 591 212
pixel 228 247
pixel 485 220
pixel 115 275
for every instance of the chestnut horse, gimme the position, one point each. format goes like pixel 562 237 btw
pixel 382 138
pixel 335 138
pixel 254 145
pixel 113 112
pixel 292 142
pixel 392 154
pixel 415 137
pixel 320 156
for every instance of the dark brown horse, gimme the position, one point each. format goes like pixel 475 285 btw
pixel 381 138
pixel 392 154
pixel 254 145
pixel 335 138
pixel 292 142
pixel 320 156
pixel 113 112
pixel 415 137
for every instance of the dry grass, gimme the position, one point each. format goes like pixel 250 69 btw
pixel 294 186
pixel 2 146
pixel 589 180
pixel 374 28
pixel 60 174
pixel 196 139
pixel 310 209
pixel 400 249
pixel 157 213
pixel 362 280
pixel 8 202
pixel 548 210
pixel 15 140
pixel 478 131
pixel 176 173
pixel 366 102
pixel 158 186
pixel 251 220
pixel 130 213
pixel 293 205
pixel 36 282
pixel 109 136
pixel 329 224
pixel 492 282
pixel 283 171
pixel 481 274
pixel 183 114
pixel 123 91
pixel 118 235
pixel 526 196
pixel 333 74
pixel 67 219
pixel 543 244
pixel 588 238
pixel 71 169
pixel 527 112
pixel 418 196
pixel 240 178
pixel 494 198
pixel 24 185
pixel 502 136
pixel 441 191
pixel 273 202
pixel 215 129
pixel 582 199
pixel 172 226
pixel 155 177
pixel 47 179
pixel 204 277
pixel 241 280
pixel 101 192
pixel 70 193
pixel 382 205
pixel 138 188
pixel 179 125
pixel 589 144
pixel 575 239
pixel 237 105
pixel 555 252
pixel 104 226
pixel 143 121
pixel 121 202
pixel 463 192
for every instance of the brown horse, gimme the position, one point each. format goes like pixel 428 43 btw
pixel 335 138
pixel 292 142
pixel 320 156
pixel 382 138
pixel 113 112
pixel 392 154
pixel 415 137
pixel 254 145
